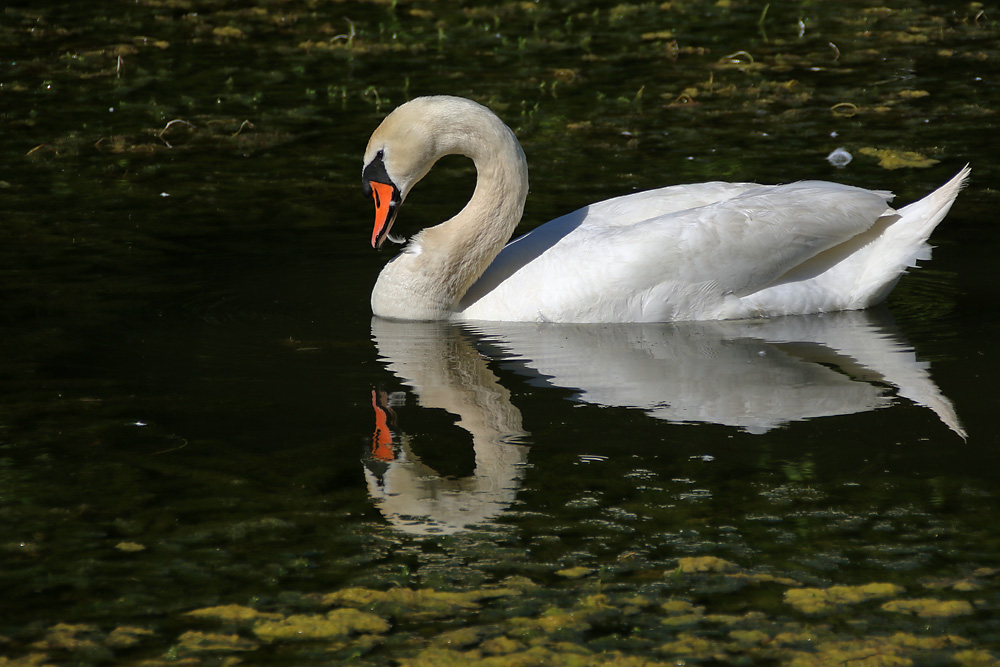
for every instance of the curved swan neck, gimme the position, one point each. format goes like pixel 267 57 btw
pixel 470 240
pixel 439 265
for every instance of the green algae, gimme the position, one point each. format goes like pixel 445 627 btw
pixel 463 637
pixel 554 622
pixel 693 646
pixel 574 572
pixel 930 607
pixel 897 649
pixel 195 641
pixel 893 159
pixel 333 625
pixel 466 629
pixel 689 564
pixel 128 636
pixel 81 639
pixel 562 656
pixel 413 603
pixel 976 658
pixel 676 607
pixel 86 643
pixel 824 649
pixel 232 613
pixel 826 600
pixel 977 580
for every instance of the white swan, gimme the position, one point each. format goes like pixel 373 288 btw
pixel 705 251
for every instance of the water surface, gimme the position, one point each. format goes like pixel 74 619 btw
pixel 211 453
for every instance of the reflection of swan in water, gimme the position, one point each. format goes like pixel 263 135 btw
pixel 752 374
pixel 438 361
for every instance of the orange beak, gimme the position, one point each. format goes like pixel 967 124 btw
pixel 386 200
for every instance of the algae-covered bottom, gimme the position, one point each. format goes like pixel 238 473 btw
pixel 636 552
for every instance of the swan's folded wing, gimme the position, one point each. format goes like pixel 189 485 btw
pixel 614 225
pixel 637 207
pixel 746 242
pixel 608 262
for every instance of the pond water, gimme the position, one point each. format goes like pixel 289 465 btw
pixel 211 454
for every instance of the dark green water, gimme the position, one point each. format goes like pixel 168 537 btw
pixel 188 358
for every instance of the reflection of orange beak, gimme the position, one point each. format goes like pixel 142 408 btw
pixel 382 438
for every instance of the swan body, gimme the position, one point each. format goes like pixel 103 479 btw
pixel 707 251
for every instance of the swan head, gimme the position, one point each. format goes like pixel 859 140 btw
pixel 376 183
pixel 416 134
pixel 400 152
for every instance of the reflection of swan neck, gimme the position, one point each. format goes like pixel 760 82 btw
pixel 416 499
pixel 445 371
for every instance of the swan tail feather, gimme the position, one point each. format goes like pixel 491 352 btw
pixel 918 220
pixel 863 270
pixel 904 242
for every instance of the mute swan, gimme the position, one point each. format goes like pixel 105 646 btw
pixel 706 251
